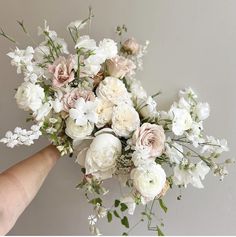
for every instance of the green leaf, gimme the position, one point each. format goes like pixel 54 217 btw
pixel 117 203
pixel 162 205
pixel 125 222
pixel 109 216
pixel 126 234
pixel 159 232
pixel 116 214
pixel 95 201
pixel 123 207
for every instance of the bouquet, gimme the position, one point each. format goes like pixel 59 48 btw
pixel 90 104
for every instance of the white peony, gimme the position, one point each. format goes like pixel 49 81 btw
pixel 202 110
pixel 125 120
pixel 29 96
pixel 104 111
pixel 113 90
pixel 181 120
pixel 109 48
pixel 149 180
pixel 102 154
pixel 77 132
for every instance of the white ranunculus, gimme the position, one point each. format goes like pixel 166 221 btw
pixel 202 110
pixel 104 111
pixel 148 107
pixel 43 111
pixel 84 42
pixel 109 48
pixel 77 132
pixel 29 96
pixel 149 180
pixel 125 120
pixel 101 156
pixel 113 90
pixel 181 120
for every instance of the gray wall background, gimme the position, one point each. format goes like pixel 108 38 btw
pixel 193 43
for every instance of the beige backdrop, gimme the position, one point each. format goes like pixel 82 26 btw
pixel 193 42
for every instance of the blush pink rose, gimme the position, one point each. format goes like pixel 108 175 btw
pixel 150 137
pixel 131 46
pixel 70 97
pixel 62 70
pixel 119 66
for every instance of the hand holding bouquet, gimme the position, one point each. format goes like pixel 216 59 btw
pixel 90 104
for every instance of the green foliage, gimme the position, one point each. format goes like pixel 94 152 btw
pixel 162 205
pixel 117 203
pixel 109 216
pixel 125 222
pixel 159 232
pixel 95 201
pixel 116 214
pixel 123 207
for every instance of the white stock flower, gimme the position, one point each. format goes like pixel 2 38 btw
pixel 101 156
pixel 43 111
pixel 84 112
pixel 109 48
pixel 191 175
pixel 202 110
pixel 149 180
pixel 84 42
pixel 181 122
pixel 125 120
pixel 40 53
pixel 104 111
pixel 77 132
pixel 113 90
pixel 148 107
pixel 175 152
pixel 22 58
pixel 29 96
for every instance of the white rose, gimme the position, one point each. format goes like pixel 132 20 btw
pixel 149 180
pixel 125 120
pixel 181 122
pixel 77 132
pixel 109 48
pixel 113 90
pixel 104 111
pixel 29 96
pixel 148 107
pixel 101 156
pixel 202 110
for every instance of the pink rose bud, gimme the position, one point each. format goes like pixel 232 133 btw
pixel 131 46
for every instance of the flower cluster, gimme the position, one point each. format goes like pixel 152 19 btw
pixel 90 103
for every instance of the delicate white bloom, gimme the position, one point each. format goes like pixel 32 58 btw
pixel 192 174
pixel 188 94
pixel 130 202
pixel 181 122
pixel 43 111
pixel 149 180
pixel 213 145
pixel 29 96
pixel 141 157
pixel 125 120
pixel 184 104
pixel 104 111
pixel 45 29
pixel 84 42
pixel 92 219
pixel 78 132
pixel 202 110
pixel 113 90
pixel 101 211
pixel 77 25
pixel 22 136
pixel 22 58
pixel 101 156
pixel 57 103
pixel 137 90
pixel 109 48
pixel 194 134
pixel 147 108
pixel 84 112
pixel 175 152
